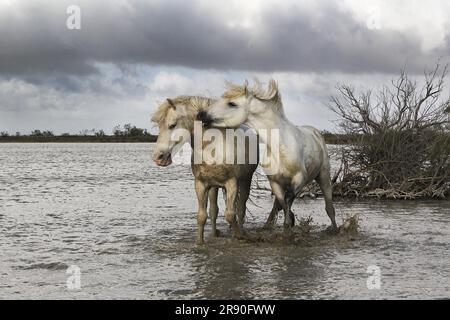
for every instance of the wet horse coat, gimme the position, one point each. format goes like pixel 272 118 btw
pixel 181 113
pixel 301 155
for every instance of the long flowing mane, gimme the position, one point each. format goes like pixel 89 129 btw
pixel 272 94
pixel 193 104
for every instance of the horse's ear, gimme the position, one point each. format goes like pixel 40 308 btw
pixel 170 102
pixel 246 87
pixel 273 89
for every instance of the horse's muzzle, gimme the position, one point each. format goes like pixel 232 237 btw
pixel 163 159
pixel 205 118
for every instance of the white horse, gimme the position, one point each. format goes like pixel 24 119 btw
pixel 302 154
pixel 180 114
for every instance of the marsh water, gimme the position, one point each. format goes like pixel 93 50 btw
pixel 129 227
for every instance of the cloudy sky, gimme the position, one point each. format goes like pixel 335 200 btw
pixel 128 55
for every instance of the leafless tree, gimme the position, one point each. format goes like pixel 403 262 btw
pixel 401 138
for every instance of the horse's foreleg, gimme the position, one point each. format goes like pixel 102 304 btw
pixel 289 217
pixel 202 197
pixel 282 196
pixel 297 184
pixel 230 212
pixel 272 219
pixel 213 210
pixel 325 185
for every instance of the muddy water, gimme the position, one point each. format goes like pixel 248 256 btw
pixel 130 229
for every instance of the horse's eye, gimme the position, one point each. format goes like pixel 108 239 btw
pixel 232 104
pixel 172 126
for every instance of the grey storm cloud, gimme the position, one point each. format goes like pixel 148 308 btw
pixel 34 40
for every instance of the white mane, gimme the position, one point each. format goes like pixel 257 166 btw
pixel 194 105
pixel 272 94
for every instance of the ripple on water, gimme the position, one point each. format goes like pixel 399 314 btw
pixel 45 266
pixel 131 228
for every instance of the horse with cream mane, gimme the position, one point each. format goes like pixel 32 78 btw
pixel 176 121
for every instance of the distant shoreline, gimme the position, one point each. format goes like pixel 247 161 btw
pixel 329 139
pixel 78 139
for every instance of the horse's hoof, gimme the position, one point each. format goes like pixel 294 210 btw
pixel 215 233
pixel 238 236
pixel 288 235
pixel 269 225
pixel 200 243
pixel 244 234
pixel 292 216
pixel 333 230
pixel 288 239
pixel 241 235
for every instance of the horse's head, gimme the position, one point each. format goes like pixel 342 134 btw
pixel 239 103
pixel 230 111
pixel 173 132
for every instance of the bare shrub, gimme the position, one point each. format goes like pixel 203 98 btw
pixel 401 139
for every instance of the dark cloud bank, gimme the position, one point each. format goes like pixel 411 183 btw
pixel 34 40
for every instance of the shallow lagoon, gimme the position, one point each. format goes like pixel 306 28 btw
pixel 130 228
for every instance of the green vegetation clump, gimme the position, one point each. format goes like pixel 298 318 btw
pixel 129 133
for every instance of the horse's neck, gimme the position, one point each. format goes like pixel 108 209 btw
pixel 268 121
pixel 192 110
pixel 191 114
pixel 189 117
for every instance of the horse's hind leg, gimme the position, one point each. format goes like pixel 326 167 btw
pixel 243 194
pixel 325 185
pixel 272 219
pixel 202 197
pixel 213 210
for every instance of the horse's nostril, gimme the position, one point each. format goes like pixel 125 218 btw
pixel 161 155
pixel 201 115
pixel 204 117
